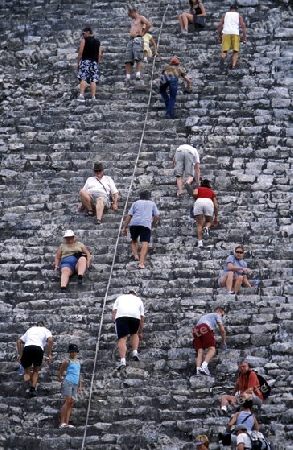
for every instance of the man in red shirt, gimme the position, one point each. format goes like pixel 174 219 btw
pixel 246 388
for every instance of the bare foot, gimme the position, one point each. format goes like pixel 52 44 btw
pixel 140 266
pixel 80 208
pixel 136 257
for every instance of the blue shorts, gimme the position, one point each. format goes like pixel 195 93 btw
pixel 126 325
pixel 144 233
pixel 69 388
pixel 69 261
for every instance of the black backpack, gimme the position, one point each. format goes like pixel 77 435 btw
pixel 264 385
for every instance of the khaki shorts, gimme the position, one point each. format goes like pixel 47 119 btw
pixel 230 41
pixel 106 200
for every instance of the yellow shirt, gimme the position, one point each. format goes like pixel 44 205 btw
pixel 146 43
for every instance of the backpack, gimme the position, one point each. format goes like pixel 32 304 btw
pixel 264 385
pixel 258 441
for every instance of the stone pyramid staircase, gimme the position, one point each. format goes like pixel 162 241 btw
pixel 240 123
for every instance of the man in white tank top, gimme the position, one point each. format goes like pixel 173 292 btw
pixel 228 30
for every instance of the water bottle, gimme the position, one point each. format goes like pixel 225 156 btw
pixel 20 370
pixel 256 282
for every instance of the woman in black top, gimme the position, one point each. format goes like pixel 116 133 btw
pixel 195 15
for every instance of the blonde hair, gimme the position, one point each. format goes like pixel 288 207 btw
pixel 202 438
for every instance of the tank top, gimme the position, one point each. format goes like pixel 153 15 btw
pixel 231 23
pixel 249 422
pixel 91 48
pixel 73 372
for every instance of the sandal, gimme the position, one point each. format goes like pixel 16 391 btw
pixel 89 213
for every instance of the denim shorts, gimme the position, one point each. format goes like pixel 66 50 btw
pixel 69 261
pixel 69 388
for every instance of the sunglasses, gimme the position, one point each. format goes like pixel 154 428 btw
pixel 239 251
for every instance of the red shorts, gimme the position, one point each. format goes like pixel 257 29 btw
pixel 203 337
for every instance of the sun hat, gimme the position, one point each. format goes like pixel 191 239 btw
pixel 68 233
pixel 98 167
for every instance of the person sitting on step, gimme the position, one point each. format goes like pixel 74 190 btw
pixel 71 257
pixel 99 192
pixel 235 272
pixel 247 387
pixel 195 15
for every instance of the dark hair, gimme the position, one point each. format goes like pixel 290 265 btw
pixel 144 195
pixel 131 9
pixel 244 361
pixel 234 6
pixel 40 323
pixel 247 404
pixel 239 246
pixel 205 183
pixel 87 30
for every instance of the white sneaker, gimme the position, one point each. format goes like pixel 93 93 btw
pixel 81 98
pixel 135 356
pixel 121 365
pixel 205 232
pixel 63 425
pixel 200 244
pixel 205 371
pixel 231 292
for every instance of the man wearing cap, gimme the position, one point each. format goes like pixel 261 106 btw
pixel 243 441
pixel 186 160
pixel 228 30
pixel 88 60
pixel 30 348
pixel 202 442
pixel 169 81
pixel 99 192
pixel 134 49
pixel 142 217
pixel 128 315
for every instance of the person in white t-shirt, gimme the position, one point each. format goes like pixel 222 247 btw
pixel 243 440
pixel 128 315
pixel 228 30
pixel 186 161
pixel 99 192
pixel 30 347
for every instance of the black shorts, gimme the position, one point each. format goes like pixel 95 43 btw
pixel 32 355
pixel 144 233
pixel 126 325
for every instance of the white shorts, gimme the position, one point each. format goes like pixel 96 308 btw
pixel 203 206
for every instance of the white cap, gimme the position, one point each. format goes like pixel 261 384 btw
pixel 68 233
